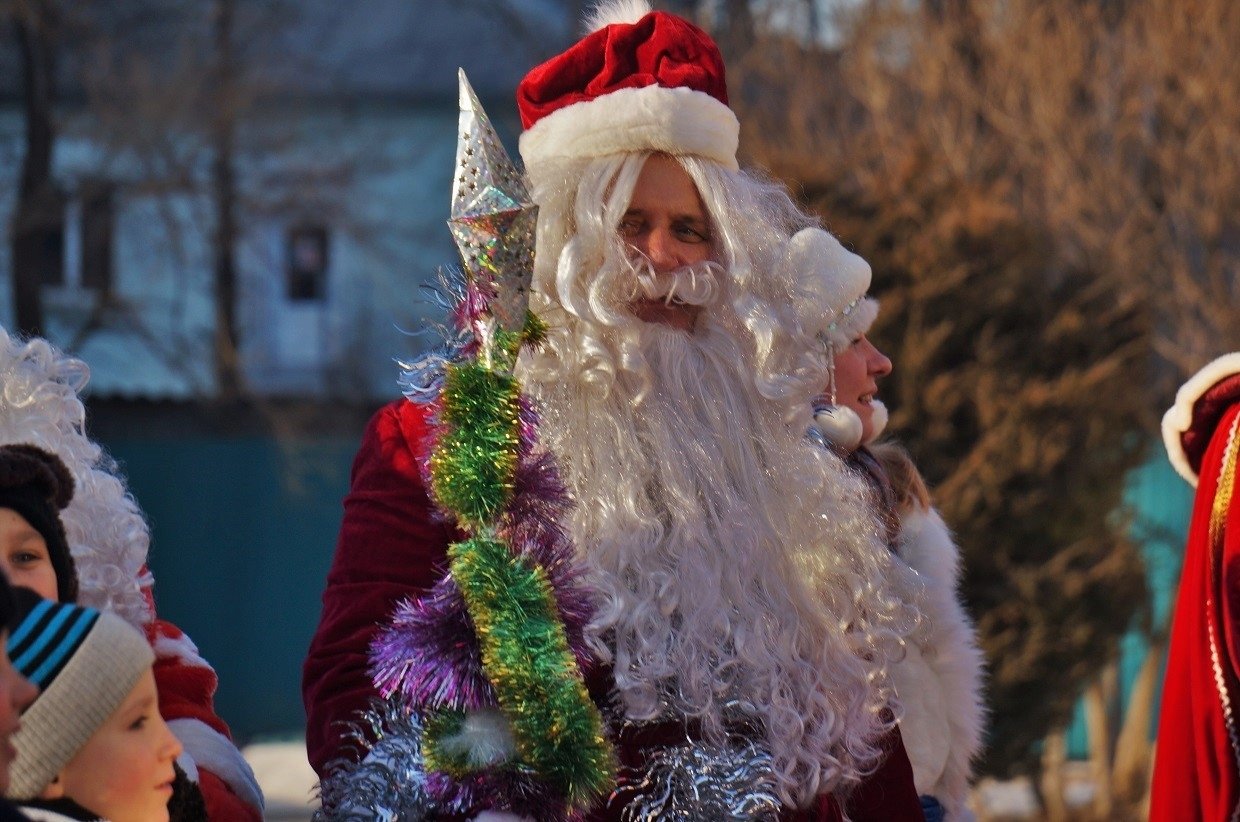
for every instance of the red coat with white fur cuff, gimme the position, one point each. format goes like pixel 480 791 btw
pixel 187 686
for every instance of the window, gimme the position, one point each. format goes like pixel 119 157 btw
pixel 48 238
pixel 97 225
pixel 306 267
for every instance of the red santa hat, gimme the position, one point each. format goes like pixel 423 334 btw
pixel 1188 426
pixel 641 81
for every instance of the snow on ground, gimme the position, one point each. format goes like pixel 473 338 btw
pixel 288 783
pixel 287 779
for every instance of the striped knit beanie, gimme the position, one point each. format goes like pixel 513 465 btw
pixel 85 662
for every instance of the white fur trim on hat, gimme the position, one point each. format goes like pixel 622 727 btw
pixel 861 315
pixel 677 121
pixel 1180 415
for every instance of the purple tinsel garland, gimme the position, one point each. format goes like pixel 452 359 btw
pixel 429 652
pixel 428 655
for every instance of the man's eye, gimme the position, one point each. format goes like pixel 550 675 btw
pixel 690 234
pixel 630 227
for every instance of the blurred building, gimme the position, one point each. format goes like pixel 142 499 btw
pixel 342 121
pixel 339 124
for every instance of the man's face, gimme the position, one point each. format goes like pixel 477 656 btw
pixel 667 224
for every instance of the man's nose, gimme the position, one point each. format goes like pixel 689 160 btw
pixel 661 251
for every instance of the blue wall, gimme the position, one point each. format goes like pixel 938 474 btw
pixel 242 535
pixel 1161 503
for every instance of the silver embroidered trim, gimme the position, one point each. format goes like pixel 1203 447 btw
pixel 385 781
pixel 692 783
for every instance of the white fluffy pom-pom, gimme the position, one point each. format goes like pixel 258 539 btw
pixel 610 12
pixel 878 420
pixel 484 739
pixel 839 424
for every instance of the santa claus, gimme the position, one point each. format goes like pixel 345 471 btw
pixel 746 626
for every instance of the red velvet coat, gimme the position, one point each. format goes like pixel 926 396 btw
pixel 1197 767
pixel 390 548
pixel 186 685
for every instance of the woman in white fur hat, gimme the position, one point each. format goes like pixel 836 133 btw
pixel 939 682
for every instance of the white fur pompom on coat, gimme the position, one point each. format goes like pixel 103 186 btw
pixel 939 682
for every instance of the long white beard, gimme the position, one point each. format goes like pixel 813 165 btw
pixel 742 570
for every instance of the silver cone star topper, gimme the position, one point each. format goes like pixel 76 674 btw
pixel 493 218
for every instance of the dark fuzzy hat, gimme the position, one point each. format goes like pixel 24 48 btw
pixel 37 485
pixel 8 605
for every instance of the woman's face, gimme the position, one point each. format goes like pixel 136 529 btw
pixel 124 771
pixel 858 368
pixel 24 556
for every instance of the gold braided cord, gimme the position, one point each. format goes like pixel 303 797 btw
pixel 1223 494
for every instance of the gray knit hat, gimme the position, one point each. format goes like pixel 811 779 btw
pixel 85 663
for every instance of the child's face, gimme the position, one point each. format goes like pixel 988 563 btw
pixel 24 556
pixel 124 772
pixel 16 693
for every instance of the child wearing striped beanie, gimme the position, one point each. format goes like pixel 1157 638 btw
pixel 93 744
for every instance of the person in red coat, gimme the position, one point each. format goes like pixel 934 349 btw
pixel 1197 763
pixel 744 627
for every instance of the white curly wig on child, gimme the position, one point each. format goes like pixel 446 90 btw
pixel 108 536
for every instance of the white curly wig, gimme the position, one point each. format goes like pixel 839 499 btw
pixel 108 536
pixel 740 567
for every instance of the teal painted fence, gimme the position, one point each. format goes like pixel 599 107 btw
pixel 1161 504
pixel 242 535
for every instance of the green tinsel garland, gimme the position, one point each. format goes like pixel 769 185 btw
pixel 473 464
pixel 557 728
pixel 507 344
pixel 525 653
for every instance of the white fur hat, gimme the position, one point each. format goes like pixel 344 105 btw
pixel 833 283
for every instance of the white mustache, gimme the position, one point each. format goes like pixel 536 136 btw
pixel 697 284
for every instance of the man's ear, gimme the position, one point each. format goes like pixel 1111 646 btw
pixel 55 789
